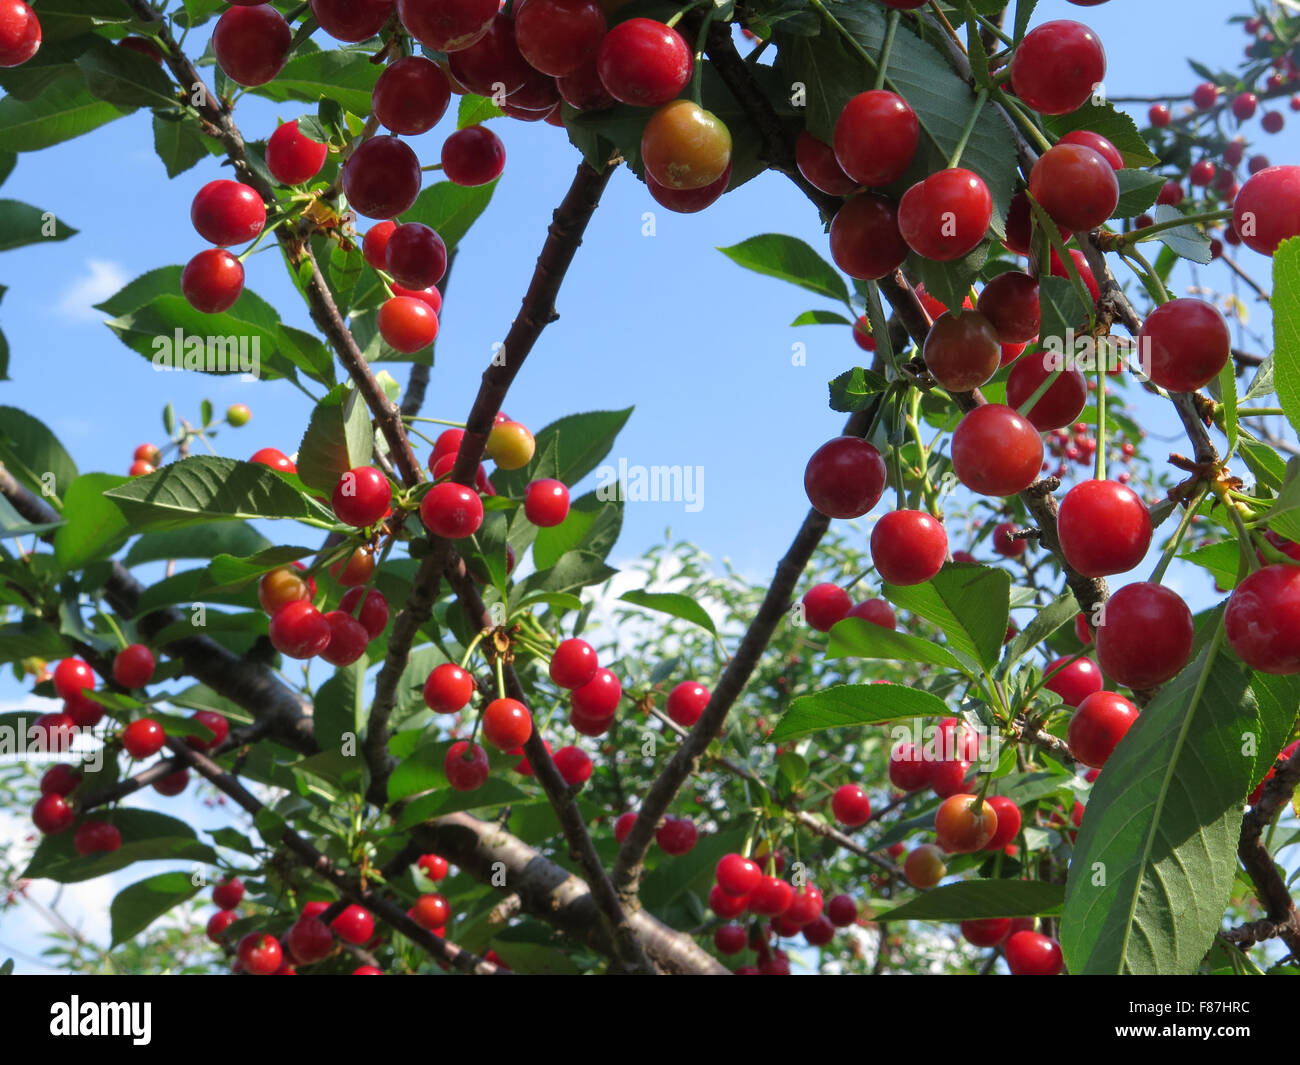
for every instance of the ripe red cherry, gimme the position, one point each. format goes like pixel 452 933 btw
pixel 1104 528
pixel 20 33
pixel 226 212
pixel 559 36
pixel 348 639
pixel 964 824
pixel 1272 122
pixel 466 774
pixel 573 664
pixel 946 215
pixel 92 837
pixel 1263 620
pixel 817 163
pixel 492 64
pixel 473 156
pixel 143 738
pixel 310 940
pixel 730 939
pixel 1010 303
pixel 845 477
pixel 737 875
pixel 381 178
pixel 274 458
pixel 451 511
pixel 361 497
pixel 677 836
pixel 688 201
pixel 349 20
pixel 1003 542
pixel 259 953
pixel 599 697
pixel 1097 143
pixel 686 702
pixel 415 255
pixel 52 814
pixel 140 469
pixel 1267 209
pixel 875 137
pixel 851 806
pixel 842 911
pixel 434 866
pixel 771 898
pixel 824 605
pixel 1205 95
pixel 60 780
pixel 987 932
pixel 252 43
pixel 546 503
pixel 588 724
pixel 644 63
pixel 806 907
pixel 219 922
pixel 1059 406
pixel 374 611
pixel 507 724
pixel 876 611
pixel 995 451
pixel 431 911
pixel 724 905
pixel 407 324
pixel 1187 343
pixel 1145 636
pixel 227 894
pixel 356 568
pixel 354 924
pixel 1057 66
pixel 909 768
pixel 411 95
pixel 212 281
pixel 963 352
pixel 908 547
pixel 1008 822
pixel 448 26
pixel 299 630
pixel 866 242
pixel 448 689
pixel 1072 681
pixel 293 158
pixel 1201 173
pixel 1075 185
pixel 574 764
pixel 173 783
pixel 133 666
pixel 1031 954
pixel 624 825
pixel 72 676
pixel 1159 116
pixel 214 723
pixel 374 246
pixel 1098 725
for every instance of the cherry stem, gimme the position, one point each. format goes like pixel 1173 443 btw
pixel 501 675
pixel 112 624
pixel 1248 549
pixel 469 651
pixel 980 97
pixel 697 78
pixel 1137 236
pixel 1138 263
pixel 1025 122
pixel 436 421
pixel 1171 549
pixel 1038 393
pixel 431 166
pixel 887 47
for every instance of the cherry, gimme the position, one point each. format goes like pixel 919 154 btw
pixel 356 569
pixel 684 146
pixel 238 415
pixel 1075 185
pixel 381 178
pixel 806 907
pixel 473 156
pixel 1171 194
pixel 1159 116
pixel 429 296
pixel 282 586
pixel 851 806
pixel 431 911
pixel 1263 620
pixel 1201 173
pixel 299 630
pixel 1057 66
pixel 1060 405
pixel 148 453
pixel 352 21
pixel 1097 143
pixel 845 477
pixel 875 137
pixel 1267 209
pixel 20 33
pixel 173 783
pixel 361 497
pixel 466 774
pixel 987 932
pixel 1205 95
pixel 219 922
pixel 310 940
pixel 133 666
pixel 677 836
pixel 686 702
pixel 908 547
pixel 507 724
pixel 60 780
pixel 370 970
pixel 292 157
pixel 909 768
pixel 510 445
pixel 1010 303
pixel 924 867
pixel 1008 822
pixel 252 43
pixel 92 837
pixel 1073 680
pixel 259 953
pixel 996 452
pixel 644 63
pixel 824 605
pixel 374 246
pixel 1145 636
pixel 354 925
pixel 1004 543
pixel 583 90
pixel 945 216
pixel 964 824
pixel 724 905
pixel 72 676
pixel 1272 122
pixel 862 334
pixel 737 875
pixel 1098 724
pixel 573 664
pixel 546 503
pixel 411 95
pixel 842 911
pixel 771 898
pixel 587 724
pixel 558 37
pixel 876 611
pixel 415 255
pixel 447 25
pixel 729 939
pixel 574 764
pixel 212 282
pixel 963 352
pixel 434 866
pixel 817 163
pixel 624 825
pixel 348 639
pixel 407 324
pixel 492 65
pixel 52 814
pixel 1186 344
pixel 599 697
pixel 274 458
pixel 228 894
pixel 1031 954
pixel 374 611
pixel 1258 793
pixel 451 511
pixel 448 689
pixel 1020 225
pixel 143 738
pixel 1104 528
pixel 866 242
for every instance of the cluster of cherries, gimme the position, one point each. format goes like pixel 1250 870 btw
pixel 147 457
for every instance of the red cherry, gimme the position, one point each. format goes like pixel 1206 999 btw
pixel 259 953
pixel 583 90
pixel 1258 793
pixel 824 605
pixel 559 36
pixel 227 212
pixel 865 239
pixel 173 783
pixel 252 43
pixel 492 64
pixel 348 639
pixel 212 282
pixel 1075 185
pixel 274 458
pixel 876 611
pixel 374 611
pixel 963 352
pixel 449 25
pixel 1104 528
pixel 845 477
pixel 1097 143
pixel 60 780
pixel 1159 116
pixel 729 939
pixel 677 836
pixel 507 724
pixel 724 905
pixel 806 907
pixel 1272 122
pixel 686 702
pixel 1073 680
pixel 624 825
pixel 72 676
pixel 133 666
pixel 599 697
pixel 909 768
pixel 842 911
pixel 434 866
pixel 1186 342
pixel 1145 636
pixel 574 764
pixel 1031 954
pixel 987 932
pixel 964 824
pixel 908 547
pixel 93 837
pixel 293 158
pixel 52 814
pixel 1205 95
pixel 473 156
pixel 361 497
pixel 407 324
pixel 351 21
pixel 415 255
pixel 1081 265
pixel 429 295
pixel 546 503
pixel 1098 724
pixel 1057 66
pixel 875 137
pixel 299 630
pixel 948 776
pixel 771 898
pixel 448 689
pixel 1003 542
pixel 1263 620
pixel 381 178
pixel 310 940
pixel 228 894
pixel 1267 209
pixel 1201 173
pixel 1010 303
pixel 737 875
pixel 573 664
pixel 817 163
pixel 374 246
pixel 850 806
pixel 945 216
pixel 996 452
pixel 1060 405
pixel 354 924
pixel 451 511
pixel 143 738
pixel 466 774
pixel 20 33
pixel 1008 822
pixel 644 63
pixel 219 922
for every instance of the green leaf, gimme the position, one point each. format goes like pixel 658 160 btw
pixel 1185 241
pixel 1282 516
pixel 475 109
pixel 146 836
pixel 1228 397
pixel 125 78
pixel 227 571
pixel 580 441
pixel 178 141
pixel 592 524
pixel 231 538
pixel 1116 126
pixel 344 75
pixel 1265 463
pixel 1153 864
pixel 1060 307
pixel 857 638
pixel 306 352
pixel 338 438
pixel 821 318
pixel 136 907
pixel 789 259
pixel 204 488
pixel 674 603
pixel 1262 385
pixel 950 282
pixel 21 223
pixel 340 707
pixel 846 705
pixel 968 603
pixel 94 527
pixel 1138 190
pixel 974 900
pixel 1286 328
pixel 64 109
pixel 34 455
pixel 856 389
pixel 572 571
pixel 30 638
pixel 450 208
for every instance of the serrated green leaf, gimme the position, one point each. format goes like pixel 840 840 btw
pixel 847 705
pixel 974 900
pixel 789 259
pixel 136 907
pixel 1286 328
pixel 858 638
pixel 93 527
pixel 968 603
pixel 1114 125
pixel 673 603
pixel 64 109
pixel 339 438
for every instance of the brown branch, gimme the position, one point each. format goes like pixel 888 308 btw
pixel 1270 886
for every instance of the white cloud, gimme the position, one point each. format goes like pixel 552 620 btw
pixel 102 280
